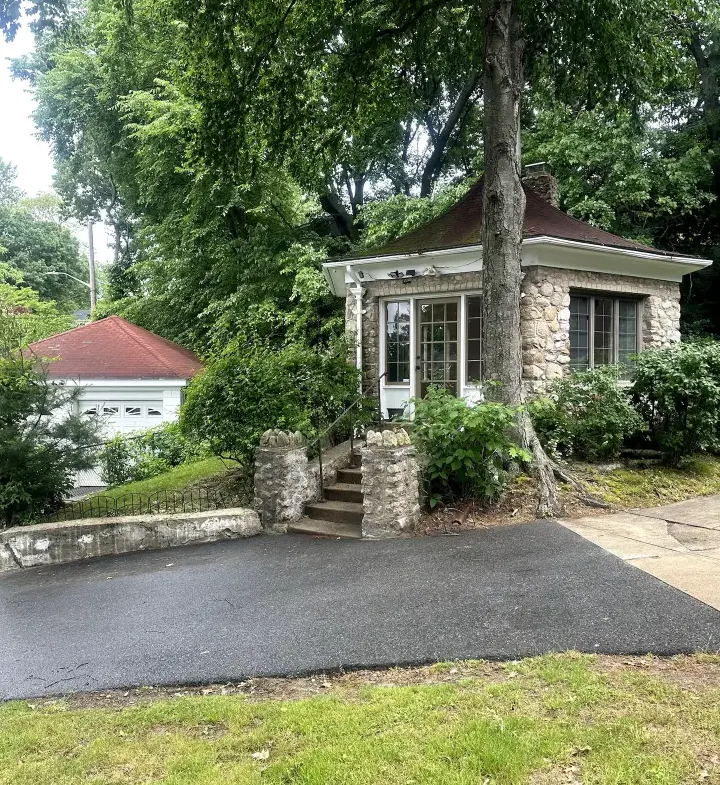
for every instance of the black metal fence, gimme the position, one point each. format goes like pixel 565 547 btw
pixel 195 500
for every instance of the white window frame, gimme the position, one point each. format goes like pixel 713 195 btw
pixel 616 297
pixel 464 385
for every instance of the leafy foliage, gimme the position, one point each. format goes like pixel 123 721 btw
pixel 588 415
pixel 42 440
pixel 466 450
pixel 677 390
pixel 31 247
pixel 249 390
pixel 618 171
pixel 132 457
pixel 26 318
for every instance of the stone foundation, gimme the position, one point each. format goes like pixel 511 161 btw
pixel 281 479
pixel 391 498
pixel 58 543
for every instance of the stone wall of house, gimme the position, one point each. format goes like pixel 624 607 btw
pixel 389 287
pixel 391 496
pixel 545 313
pixel 545 316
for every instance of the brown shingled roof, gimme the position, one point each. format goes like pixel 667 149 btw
pixel 461 225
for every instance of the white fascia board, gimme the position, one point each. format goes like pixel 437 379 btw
pixel 124 383
pixel 543 251
pixel 587 257
pixel 339 278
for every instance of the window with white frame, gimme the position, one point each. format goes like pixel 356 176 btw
pixel 603 330
pixel 473 346
pixel 397 342
pixel 90 411
pixel 153 412
pixel 133 411
pixel 111 411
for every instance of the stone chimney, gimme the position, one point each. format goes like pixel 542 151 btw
pixel 540 179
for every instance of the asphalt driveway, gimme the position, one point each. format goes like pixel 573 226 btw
pixel 290 605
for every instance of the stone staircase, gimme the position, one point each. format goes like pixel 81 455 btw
pixel 340 514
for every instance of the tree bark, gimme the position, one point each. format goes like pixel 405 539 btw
pixel 504 210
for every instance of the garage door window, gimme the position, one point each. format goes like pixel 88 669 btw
pixel 152 412
pixel 90 411
pixel 133 411
pixel 111 411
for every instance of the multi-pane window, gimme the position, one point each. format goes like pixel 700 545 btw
pixel 603 331
pixel 474 331
pixel 439 345
pixel 397 341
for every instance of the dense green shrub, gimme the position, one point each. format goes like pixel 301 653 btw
pixel 466 451
pixel 41 445
pixel 132 457
pixel 677 391
pixel 588 415
pixel 248 390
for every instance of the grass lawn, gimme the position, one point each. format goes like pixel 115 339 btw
pixel 550 720
pixel 209 480
pixel 652 486
pixel 176 479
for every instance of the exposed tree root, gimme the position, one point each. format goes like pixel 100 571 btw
pixel 546 471
pixel 578 487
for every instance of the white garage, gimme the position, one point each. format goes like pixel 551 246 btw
pixel 131 378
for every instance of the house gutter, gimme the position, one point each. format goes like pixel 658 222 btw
pixel 359 293
pixel 539 240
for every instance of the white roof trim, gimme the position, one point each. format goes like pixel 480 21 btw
pixel 671 267
pixel 115 383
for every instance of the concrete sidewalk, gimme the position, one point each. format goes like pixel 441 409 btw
pixel 677 543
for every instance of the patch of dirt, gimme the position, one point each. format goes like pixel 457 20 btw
pixel 695 672
pixel 264 689
pixel 557 775
pixel 519 505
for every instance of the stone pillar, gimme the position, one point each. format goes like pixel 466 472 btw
pixel 391 494
pixel 281 479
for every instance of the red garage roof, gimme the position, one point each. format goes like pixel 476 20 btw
pixel 113 348
pixel 461 225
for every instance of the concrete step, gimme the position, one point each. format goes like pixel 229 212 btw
pixel 342 512
pixel 344 492
pixel 356 460
pixel 346 531
pixel 349 476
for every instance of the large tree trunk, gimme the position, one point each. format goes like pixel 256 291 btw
pixel 504 210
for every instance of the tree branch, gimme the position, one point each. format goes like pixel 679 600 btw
pixel 441 140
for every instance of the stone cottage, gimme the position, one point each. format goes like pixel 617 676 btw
pixel 589 298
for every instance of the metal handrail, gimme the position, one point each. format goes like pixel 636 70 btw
pixel 321 436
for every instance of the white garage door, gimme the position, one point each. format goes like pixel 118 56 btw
pixel 124 416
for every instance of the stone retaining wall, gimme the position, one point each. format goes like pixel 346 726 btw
pixel 285 481
pixel 69 541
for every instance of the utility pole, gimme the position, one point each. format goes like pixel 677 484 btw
pixel 91 264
